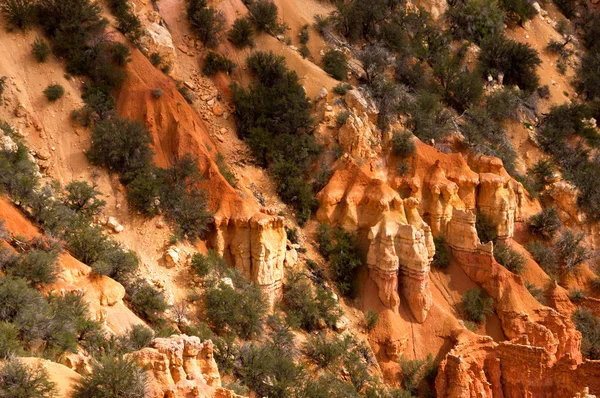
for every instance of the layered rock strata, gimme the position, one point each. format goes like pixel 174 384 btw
pixel 479 367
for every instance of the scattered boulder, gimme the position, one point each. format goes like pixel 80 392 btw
pixel 172 256
pixel 8 145
pixel 342 324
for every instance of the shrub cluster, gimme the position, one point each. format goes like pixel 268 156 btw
pixel 241 33
pixel 475 20
pixel 112 376
pixel 546 223
pixel 415 371
pixel 517 61
pixel 54 92
pixel 305 305
pixel 40 50
pixel 215 63
pixel 589 326
pixel 509 258
pixel 273 116
pixel 20 380
pixel 340 248
pixel 336 64
pixel 20 14
pixel 441 258
pixel 207 23
pixel 476 306
pixel 264 14
pixel 128 22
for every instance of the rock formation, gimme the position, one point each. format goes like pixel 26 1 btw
pixel 248 237
pixel 181 366
pixel 479 367
pixel 398 219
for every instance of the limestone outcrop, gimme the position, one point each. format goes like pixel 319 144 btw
pixel 250 238
pixel 181 366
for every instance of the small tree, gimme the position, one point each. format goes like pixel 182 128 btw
pixel 371 319
pixel 476 306
pixel 570 250
pixel 207 23
pixel 112 377
pixel 41 50
pixel 19 13
pixel 336 64
pixel 403 144
pixel 54 92
pixel 215 63
pixel 441 259
pixel 202 265
pixel 476 20
pixel 545 223
pixel 83 198
pixel 9 341
pixel 18 380
pixel 241 33
pixel 518 61
pixel 264 13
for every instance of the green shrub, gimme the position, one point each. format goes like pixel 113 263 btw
pixel 268 370
pixel 128 22
pixel 518 61
pixel 71 24
pixel 545 223
pixel 595 284
pixel 139 336
pixel 476 306
pixel 202 265
pixel 225 171
pixel 215 63
pixel 415 371
pixel 323 350
pixel 567 7
pixel 182 201
pixel 54 92
pixel 342 117
pixel 155 59
pixel 37 267
pixel 9 341
pixel 542 173
pixel 475 20
pixel 305 306
pixel 536 292
pixel 18 380
pixel 339 247
pixel 336 64
pixel 304 51
pixel 509 258
pixel 429 119
pixel 403 145
pixel 486 230
pixel 112 377
pixel 441 258
pixel 186 93
pixel 146 301
pixel 122 145
pixel 544 256
pixel 342 88
pixel 588 80
pixel 264 14
pixel 371 319
pixel 19 13
pixel 589 326
pixel 303 35
pixel 2 87
pixel 571 252
pixel 240 309
pixel 41 50
pixel 292 234
pixel 83 198
pixel 374 60
pixel 518 11
pixel 207 23
pixel 241 33
pixel 577 295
